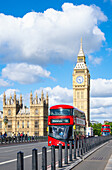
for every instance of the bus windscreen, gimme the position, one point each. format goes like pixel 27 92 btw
pixel 60 132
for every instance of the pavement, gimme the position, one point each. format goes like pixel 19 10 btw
pixel 99 158
pixel 109 164
pixel 95 159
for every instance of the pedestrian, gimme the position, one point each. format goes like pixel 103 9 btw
pixel 12 134
pixel 1 135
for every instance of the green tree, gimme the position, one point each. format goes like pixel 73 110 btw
pixel 96 128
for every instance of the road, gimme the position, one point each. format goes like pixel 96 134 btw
pixel 8 155
pixel 98 160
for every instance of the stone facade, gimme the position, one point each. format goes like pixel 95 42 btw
pixel 81 86
pixel 30 121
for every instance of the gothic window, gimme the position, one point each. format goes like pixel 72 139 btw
pixel 22 124
pixel 81 59
pixel 27 124
pixel 36 124
pixel 78 94
pixel 36 111
pixel 37 133
pixel 9 112
pixel 9 124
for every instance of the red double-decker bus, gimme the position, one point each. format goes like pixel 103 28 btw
pixel 65 123
pixel 105 130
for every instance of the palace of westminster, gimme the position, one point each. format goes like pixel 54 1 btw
pixel 33 120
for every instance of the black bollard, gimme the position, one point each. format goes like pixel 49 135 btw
pixel 60 156
pixel 84 145
pixel 44 158
pixel 15 139
pixel 66 153
pixel 12 139
pixel 52 157
pixel 27 138
pixel 78 148
pixel 74 149
pixel 34 160
pixel 70 151
pixel 20 162
pixel 81 148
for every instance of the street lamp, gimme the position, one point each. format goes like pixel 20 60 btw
pixel 5 120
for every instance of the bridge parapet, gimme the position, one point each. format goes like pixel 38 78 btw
pixel 83 147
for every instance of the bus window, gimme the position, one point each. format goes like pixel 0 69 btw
pixel 106 127
pixel 60 132
pixel 61 111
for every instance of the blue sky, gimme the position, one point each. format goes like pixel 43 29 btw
pixel 39 43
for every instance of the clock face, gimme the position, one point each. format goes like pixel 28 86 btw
pixel 79 79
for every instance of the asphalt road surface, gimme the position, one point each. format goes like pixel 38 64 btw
pixel 8 155
pixel 98 160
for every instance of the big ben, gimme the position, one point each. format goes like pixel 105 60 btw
pixel 81 85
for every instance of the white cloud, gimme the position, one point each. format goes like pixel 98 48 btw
pixel 101 87
pixel 51 36
pixel 97 102
pixel 8 92
pixel 4 83
pixel 109 50
pixel 101 99
pixel 94 60
pixel 24 73
pixel 58 95
pixel 101 114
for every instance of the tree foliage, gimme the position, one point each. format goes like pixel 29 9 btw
pixel 96 128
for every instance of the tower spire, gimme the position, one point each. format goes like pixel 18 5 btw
pixel 4 99
pixel 31 98
pixel 81 52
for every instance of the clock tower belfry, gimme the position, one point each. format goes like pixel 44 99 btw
pixel 81 85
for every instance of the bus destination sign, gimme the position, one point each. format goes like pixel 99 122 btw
pixel 60 120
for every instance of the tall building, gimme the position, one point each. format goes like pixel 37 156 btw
pixel 81 85
pixel 30 121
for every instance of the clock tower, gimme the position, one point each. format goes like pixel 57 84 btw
pixel 81 85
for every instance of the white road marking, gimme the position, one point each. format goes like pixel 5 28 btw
pixel 27 145
pixel 13 160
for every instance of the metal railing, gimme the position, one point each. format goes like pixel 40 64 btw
pixel 21 139
pixel 83 147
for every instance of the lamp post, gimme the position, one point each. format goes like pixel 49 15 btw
pixel 5 120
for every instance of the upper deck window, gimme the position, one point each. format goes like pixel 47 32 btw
pixel 61 111
pixel 106 127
